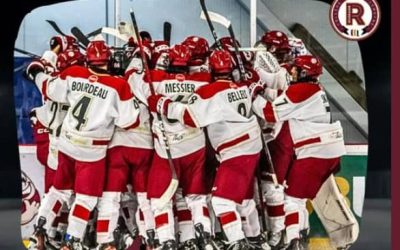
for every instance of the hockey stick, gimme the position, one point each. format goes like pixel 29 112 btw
pixel 80 36
pixel 115 33
pixel 94 33
pixel 210 24
pixel 27 53
pixel 59 31
pixel 167 32
pixel 214 17
pixel 173 185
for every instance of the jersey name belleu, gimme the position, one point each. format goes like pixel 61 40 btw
pixel 306 108
pixel 98 103
pixel 224 108
pixel 183 139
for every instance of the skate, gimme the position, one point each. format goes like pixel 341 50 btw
pixel 304 239
pixel 169 245
pixel 275 240
pixel 205 240
pixel 295 245
pixel 152 242
pixel 39 239
pixel 239 245
pixel 189 245
pixel 258 243
pixel 72 243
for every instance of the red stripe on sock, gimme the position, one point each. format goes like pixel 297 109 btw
pixel 184 215
pixel 275 211
pixel 292 219
pixel 57 207
pixel 206 213
pixel 161 220
pixel 102 226
pixel 227 218
pixel 81 212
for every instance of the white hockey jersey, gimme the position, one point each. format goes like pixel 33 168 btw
pixel 51 114
pixel 225 109
pixel 183 140
pixel 98 103
pixel 306 108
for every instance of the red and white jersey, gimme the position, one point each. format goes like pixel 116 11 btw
pixel 183 140
pixel 137 137
pixel 306 108
pixel 224 108
pixel 51 115
pixel 98 103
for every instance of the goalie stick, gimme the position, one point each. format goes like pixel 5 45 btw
pixel 214 17
pixel 167 32
pixel 173 185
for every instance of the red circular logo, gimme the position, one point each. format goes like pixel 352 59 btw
pixel 355 19
pixel 93 78
pixel 180 77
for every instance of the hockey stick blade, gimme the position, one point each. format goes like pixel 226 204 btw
pixel 167 32
pixel 168 194
pixel 114 32
pixel 80 36
pixel 55 27
pixel 216 18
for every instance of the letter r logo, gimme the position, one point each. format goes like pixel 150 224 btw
pixel 354 11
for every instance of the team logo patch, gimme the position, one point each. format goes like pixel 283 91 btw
pixel 93 78
pixel 30 200
pixel 180 77
pixel 355 19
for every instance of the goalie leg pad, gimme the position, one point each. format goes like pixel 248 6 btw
pixel 335 215
pixel 274 197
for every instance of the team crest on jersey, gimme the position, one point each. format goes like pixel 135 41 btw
pixel 180 77
pixel 355 19
pixel 93 78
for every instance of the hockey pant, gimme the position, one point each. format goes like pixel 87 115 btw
pixel 124 165
pixel 232 197
pixel 190 172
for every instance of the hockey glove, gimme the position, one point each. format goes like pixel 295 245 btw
pixel 159 104
pixel 256 88
pixel 34 68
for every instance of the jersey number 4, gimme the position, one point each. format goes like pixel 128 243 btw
pixel 79 111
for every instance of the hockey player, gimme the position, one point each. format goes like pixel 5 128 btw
pixel 98 102
pixel 224 108
pixel 187 146
pixel 46 121
pixel 129 157
pixel 311 144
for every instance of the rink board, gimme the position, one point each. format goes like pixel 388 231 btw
pixel 350 179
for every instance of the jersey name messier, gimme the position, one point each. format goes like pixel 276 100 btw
pixel 306 108
pixel 183 139
pixel 225 109
pixel 98 103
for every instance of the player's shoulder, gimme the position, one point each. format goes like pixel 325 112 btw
pixel 159 75
pixel 210 90
pixel 75 71
pixel 118 83
pixel 200 76
pixel 299 92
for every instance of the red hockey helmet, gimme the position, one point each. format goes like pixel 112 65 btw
pixel 277 40
pixel 221 62
pixel 308 66
pixel 69 58
pixel 97 53
pixel 198 46
pixel 227 44
pixel 179 55
pixel 65 42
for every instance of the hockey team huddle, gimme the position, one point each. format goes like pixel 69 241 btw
pixel 187 146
